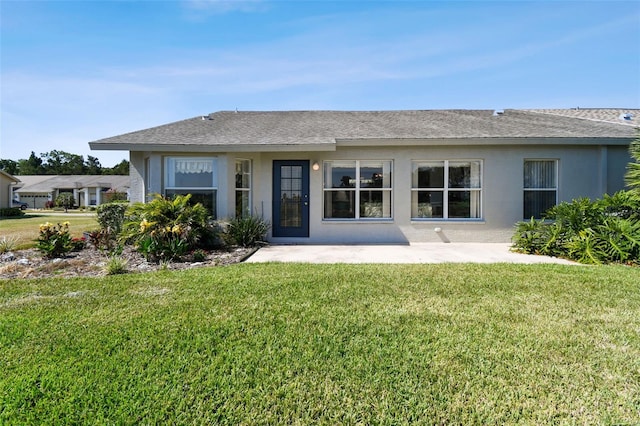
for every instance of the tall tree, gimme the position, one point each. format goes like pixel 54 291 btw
pixel 31 166
pixel 9 166
pixel 122 168
pixel 92 166
pixel 63 163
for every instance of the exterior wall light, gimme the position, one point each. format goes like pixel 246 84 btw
pixel 315 166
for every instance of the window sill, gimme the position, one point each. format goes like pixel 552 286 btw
pixel 415 221
pixel 358 221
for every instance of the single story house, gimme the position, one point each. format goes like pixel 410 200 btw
pixel 350 177
pixel 7 182
pixel 87 190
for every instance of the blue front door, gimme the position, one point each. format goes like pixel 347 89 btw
pixel 291 198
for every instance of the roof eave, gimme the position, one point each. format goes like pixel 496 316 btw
pixel 215 148
pixel 478 141
pixel 14 179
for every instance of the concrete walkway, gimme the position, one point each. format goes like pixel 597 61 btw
pixel 414 253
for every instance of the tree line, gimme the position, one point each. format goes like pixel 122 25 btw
pixel 61 163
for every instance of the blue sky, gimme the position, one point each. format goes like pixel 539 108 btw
pixel 73 72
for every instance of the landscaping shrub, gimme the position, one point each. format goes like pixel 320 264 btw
pixel 66 200
pixel 113 196
pixel 622 204
pixel 247 231
pixel 199 255
pixel 166 229
pixel 111 216
pixel 602 231
pixel 576 215
pixel 54 240
pixel 103 239
pixel 11 212
pixel 538 237
pixel 7 244
pixel 116 265
pixel 78 243
pixel 632 176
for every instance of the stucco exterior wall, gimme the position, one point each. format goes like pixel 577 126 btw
pixel 137 176
pixel 5 195
pixel 617 159
pixel 583 171
pixel 580 174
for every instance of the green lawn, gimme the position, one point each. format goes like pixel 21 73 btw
pixel 24 230
pixel 325 344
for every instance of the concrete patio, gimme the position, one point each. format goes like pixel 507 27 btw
pixel 414 253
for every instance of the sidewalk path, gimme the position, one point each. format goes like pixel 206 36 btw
pixel 414 253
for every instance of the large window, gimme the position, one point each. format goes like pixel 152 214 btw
pixel 357 189
pixel 540 187
pixel 197 176
pixel 243 188
pixel 446 189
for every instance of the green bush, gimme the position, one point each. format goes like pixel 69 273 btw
pixel 78 244
pixel 632 176
pixel 601 231
pixel 65 200
pixel 11 212
pixel 620 239
pixel 166 229
pixel 111 216
pixel 577 215
pixel 111 219
pixel 7 244
pixel 54 240
pixel 103 239
pixel 116 265
pixel 247 231
pixel 622 204
pixel 199 255
pixel 113 196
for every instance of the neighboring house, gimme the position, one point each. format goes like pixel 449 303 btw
pixel 7 182
pixel 87 190
pixel 383 176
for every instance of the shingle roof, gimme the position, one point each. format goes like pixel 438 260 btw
pixel 233 130
pixel 628 117
pixel 45 183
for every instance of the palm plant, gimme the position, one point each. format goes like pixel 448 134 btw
pixel 166 229
pixel 632 177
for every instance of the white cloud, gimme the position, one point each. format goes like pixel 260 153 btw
pixel 338 61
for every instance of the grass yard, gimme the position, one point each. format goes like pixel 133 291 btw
pixel 24 230
pixel 325 344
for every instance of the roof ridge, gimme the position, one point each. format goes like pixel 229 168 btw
pixel 557 113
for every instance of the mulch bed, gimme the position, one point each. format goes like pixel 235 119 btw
pixel 90 262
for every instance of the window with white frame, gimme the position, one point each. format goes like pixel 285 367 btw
pixel 446 189
pixel 243 188
pixel 540 187
pixel 197 176
pixel 357 189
